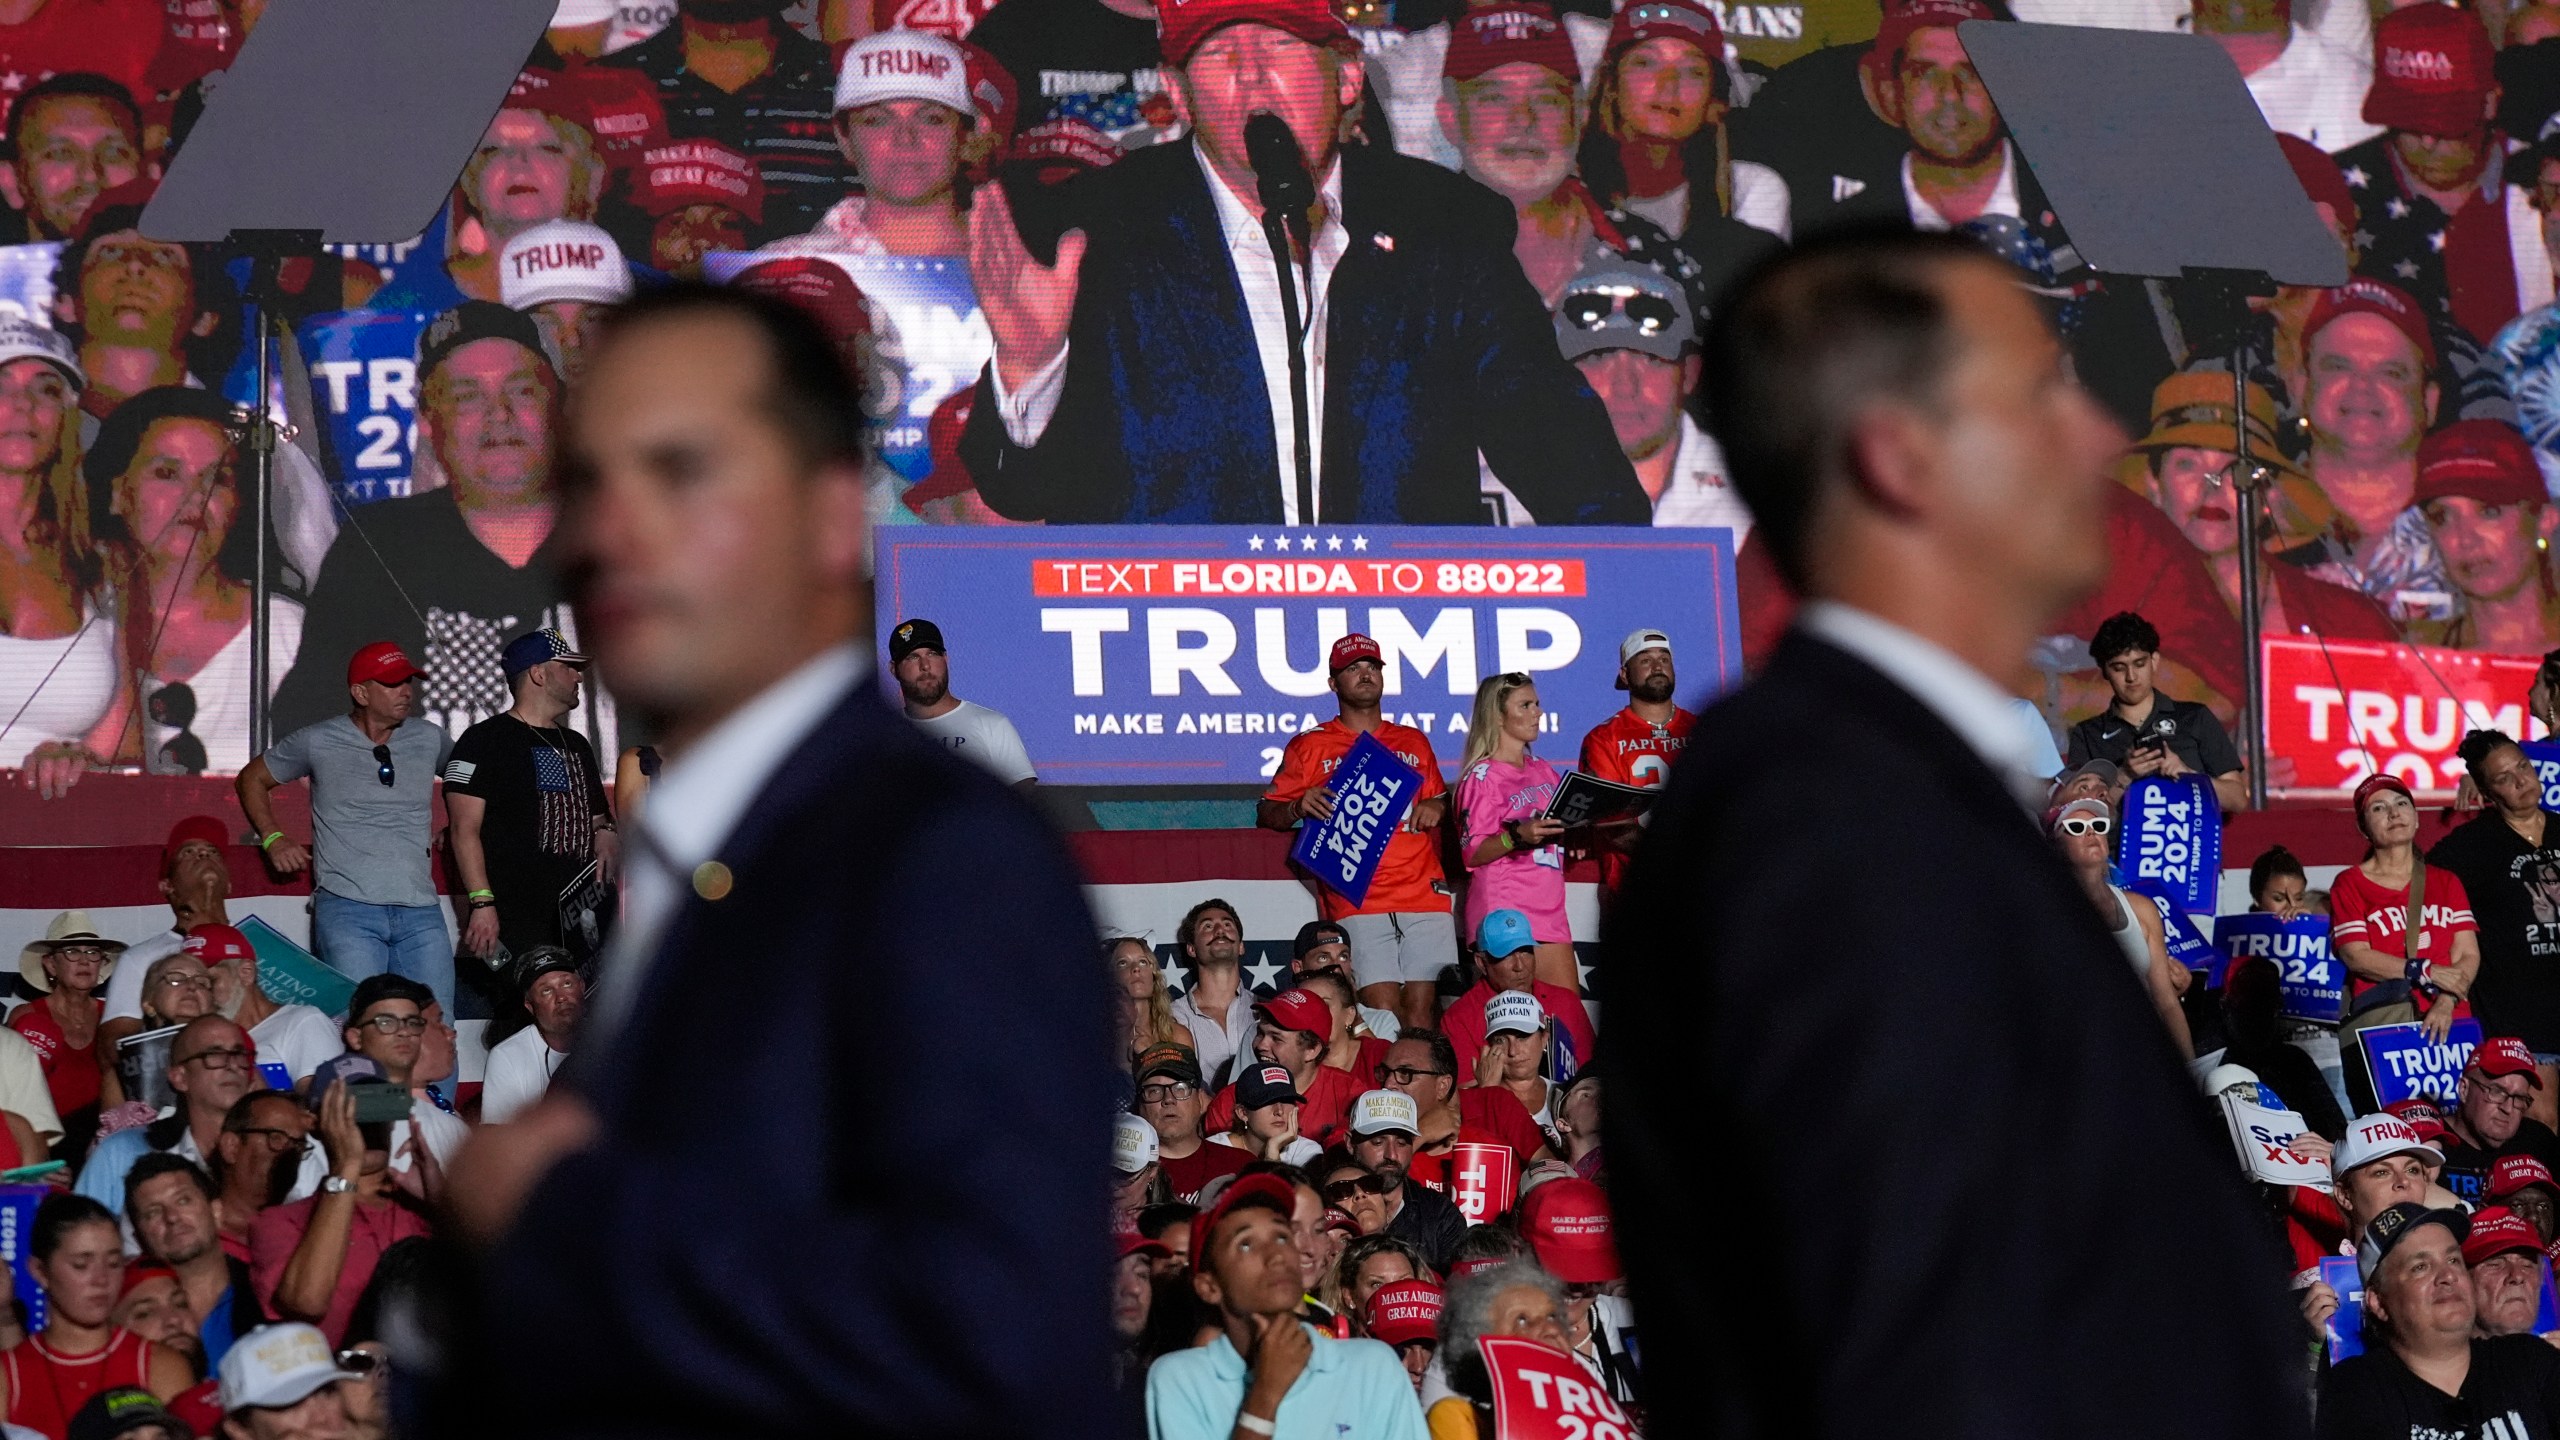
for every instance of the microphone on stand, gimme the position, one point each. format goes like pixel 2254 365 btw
pixel 1287 192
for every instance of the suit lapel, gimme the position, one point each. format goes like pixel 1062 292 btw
pixel 1224 396
pixel 1362 327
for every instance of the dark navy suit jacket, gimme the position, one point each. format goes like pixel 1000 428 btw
pixel 852 1176
pixel 2030 1224
pixel 1436 347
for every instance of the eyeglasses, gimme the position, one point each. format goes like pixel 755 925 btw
pixel 78 952
pixel 275 1139
pixel 1169 1090
pixel 1404 1074
pixel 382 759
pixel 1591 310
pixel 1340 1190
pixel 2085 825
pixel 2509 1099
pixel 187 982
pixel 232 1059
pixel 398 1024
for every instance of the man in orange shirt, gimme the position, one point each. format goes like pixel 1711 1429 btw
pixel 1637 745
pixel 1401 934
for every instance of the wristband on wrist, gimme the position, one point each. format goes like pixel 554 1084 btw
pixel 269 839
pixel 1255 1424
pixel 480 895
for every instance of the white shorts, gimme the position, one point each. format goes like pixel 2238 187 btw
pixel 1408 947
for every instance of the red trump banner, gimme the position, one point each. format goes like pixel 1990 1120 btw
pixel 2340 711
pixel 1541 1393
pixel 1482 1180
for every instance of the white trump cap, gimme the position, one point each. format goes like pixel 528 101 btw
pixel 277 1365
pixel 1380 1111
pixel 2377 1137
pixel 904 65
pixel 1516 1012
pixel 562 260
pixel 1133 1145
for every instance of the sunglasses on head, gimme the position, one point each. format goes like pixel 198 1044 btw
pixel 1589 310
pixel 382 762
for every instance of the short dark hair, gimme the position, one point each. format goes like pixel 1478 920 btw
pixel 372 990
pixel 1803 343
pixel 209 290
pixel 2275 861
pixel 2479 745
pixel 242 1114
pixel 71 85
pixel 1156 1219
pixel 1444 1051
pixel 815 399
pixel 156 1163
pixel 2123 633
pixel 58 1216
pixel 1191 917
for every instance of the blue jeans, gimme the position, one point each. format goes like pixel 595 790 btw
pixel 358 939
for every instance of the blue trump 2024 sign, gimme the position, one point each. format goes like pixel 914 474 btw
pixel 1191 654
pixel 2314 981
pixel 2173 838
pixel 2405 1065
pixel 1372 790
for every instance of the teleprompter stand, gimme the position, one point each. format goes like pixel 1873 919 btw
pixel 342 122
pixel 2159 166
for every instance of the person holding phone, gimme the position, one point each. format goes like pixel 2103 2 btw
pixel 2145 732
pixel 311 1260
pixel 388 1022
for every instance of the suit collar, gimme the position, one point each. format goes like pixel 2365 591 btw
pixel 1847 684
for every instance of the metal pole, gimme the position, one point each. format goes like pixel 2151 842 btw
pixel 262 451
pixel 2246 484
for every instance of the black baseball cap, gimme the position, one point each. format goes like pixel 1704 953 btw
pixel 476 320
pixel 1260 1085
pixel 914 635
pixel 537 961
pixel 372 990
pixel 122 1413
pixel 2384 1232
pixel 1315 933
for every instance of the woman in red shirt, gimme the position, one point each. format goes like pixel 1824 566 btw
pixel 63 1026
pixel 76 1253
pixel 2369 918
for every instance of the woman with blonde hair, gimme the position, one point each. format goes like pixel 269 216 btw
pixel 60 684
pixel 1146 1014
pixel 1509 845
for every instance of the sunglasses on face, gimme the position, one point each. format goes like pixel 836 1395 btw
pixel 2085 825
pixel 1341 1190
pixel 382 763
pixel 1588 310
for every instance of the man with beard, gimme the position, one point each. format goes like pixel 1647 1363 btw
pixel 1384 1124
pixel 169 1202
pixel 289 1041
pixel 72 138
pixel 258 1161
pixel 451 573
pixel 2490 517
pixel 2435 90
pixel 1637 745
pixel 733 71
pixel 143 312
pixel 1960 165
pixel 196 881
pixel 917 658
pixel 527 810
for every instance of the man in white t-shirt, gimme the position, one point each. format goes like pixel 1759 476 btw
pixel 196 881
pixel 521 1066
pixel 292 1040
pixel 917 658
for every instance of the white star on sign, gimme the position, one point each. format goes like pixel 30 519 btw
pixel 1359 542
pixel 1280 543
pixel 2435 242
pixel 2356 178
pixel 1265 976
pixel 1173 978
pixel 1333 542
pixel 1253 542
pixel 1582 971
pixel 2406 269
pixel 1307 543
pixel 2396 208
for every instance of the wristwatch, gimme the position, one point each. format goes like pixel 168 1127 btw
pixel 337 1185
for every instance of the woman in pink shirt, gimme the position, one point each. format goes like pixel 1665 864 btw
pixel 1510 848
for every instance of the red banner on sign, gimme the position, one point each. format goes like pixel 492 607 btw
pixel 2337 712
pixel 1545 1394
pixel 1482 1179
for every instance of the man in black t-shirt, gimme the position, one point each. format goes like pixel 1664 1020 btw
pixel 2423 1374
pixel 2489 1123
pixel 2145 732
pixel 1089 60
pixel 527 811
pixel 780 111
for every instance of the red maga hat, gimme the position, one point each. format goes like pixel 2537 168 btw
pixel 2482 460
pixel 2433 71
pixel 1182 24
pixel 382 662
pixel 1404 1312
pixel 1300 1009
pixel 2362 296
pixel 1484 40
pixel 1567 1225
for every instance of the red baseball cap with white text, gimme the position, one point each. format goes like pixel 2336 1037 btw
pixel 383 662
pixel 213 944
pixel 1567 1225
pixel 1182 24
pixel 1353 648
pixel 1299 1009
pixel 2505 1055
pixel 1403 1313
pixel 2433 71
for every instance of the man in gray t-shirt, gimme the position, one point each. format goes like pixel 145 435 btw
pixel 373 773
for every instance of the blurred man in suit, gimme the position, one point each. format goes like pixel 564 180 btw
pixel 711 1223
pixel 1925 472
pixel 1146 373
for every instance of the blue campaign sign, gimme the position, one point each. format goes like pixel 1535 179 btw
pixel 2545 755
pixel 1371 791
pixel 2173 836
pixel 2185 939
pixel 933 339
pixel 1190 654
pixel 364 388
pixel 2405 1065
pixel 26 280
pixel 2315 982
pixel 2344 1330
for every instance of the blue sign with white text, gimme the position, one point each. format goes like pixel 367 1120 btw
pixel 2184 938
pixel 364 391
pixel 2405 1065
pixel 2545 758
pixel 2315 983
pixel 2173 838
pixel 1371 792
pixel 1191 654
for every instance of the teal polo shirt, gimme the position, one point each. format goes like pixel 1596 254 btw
pixel 1350 1390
